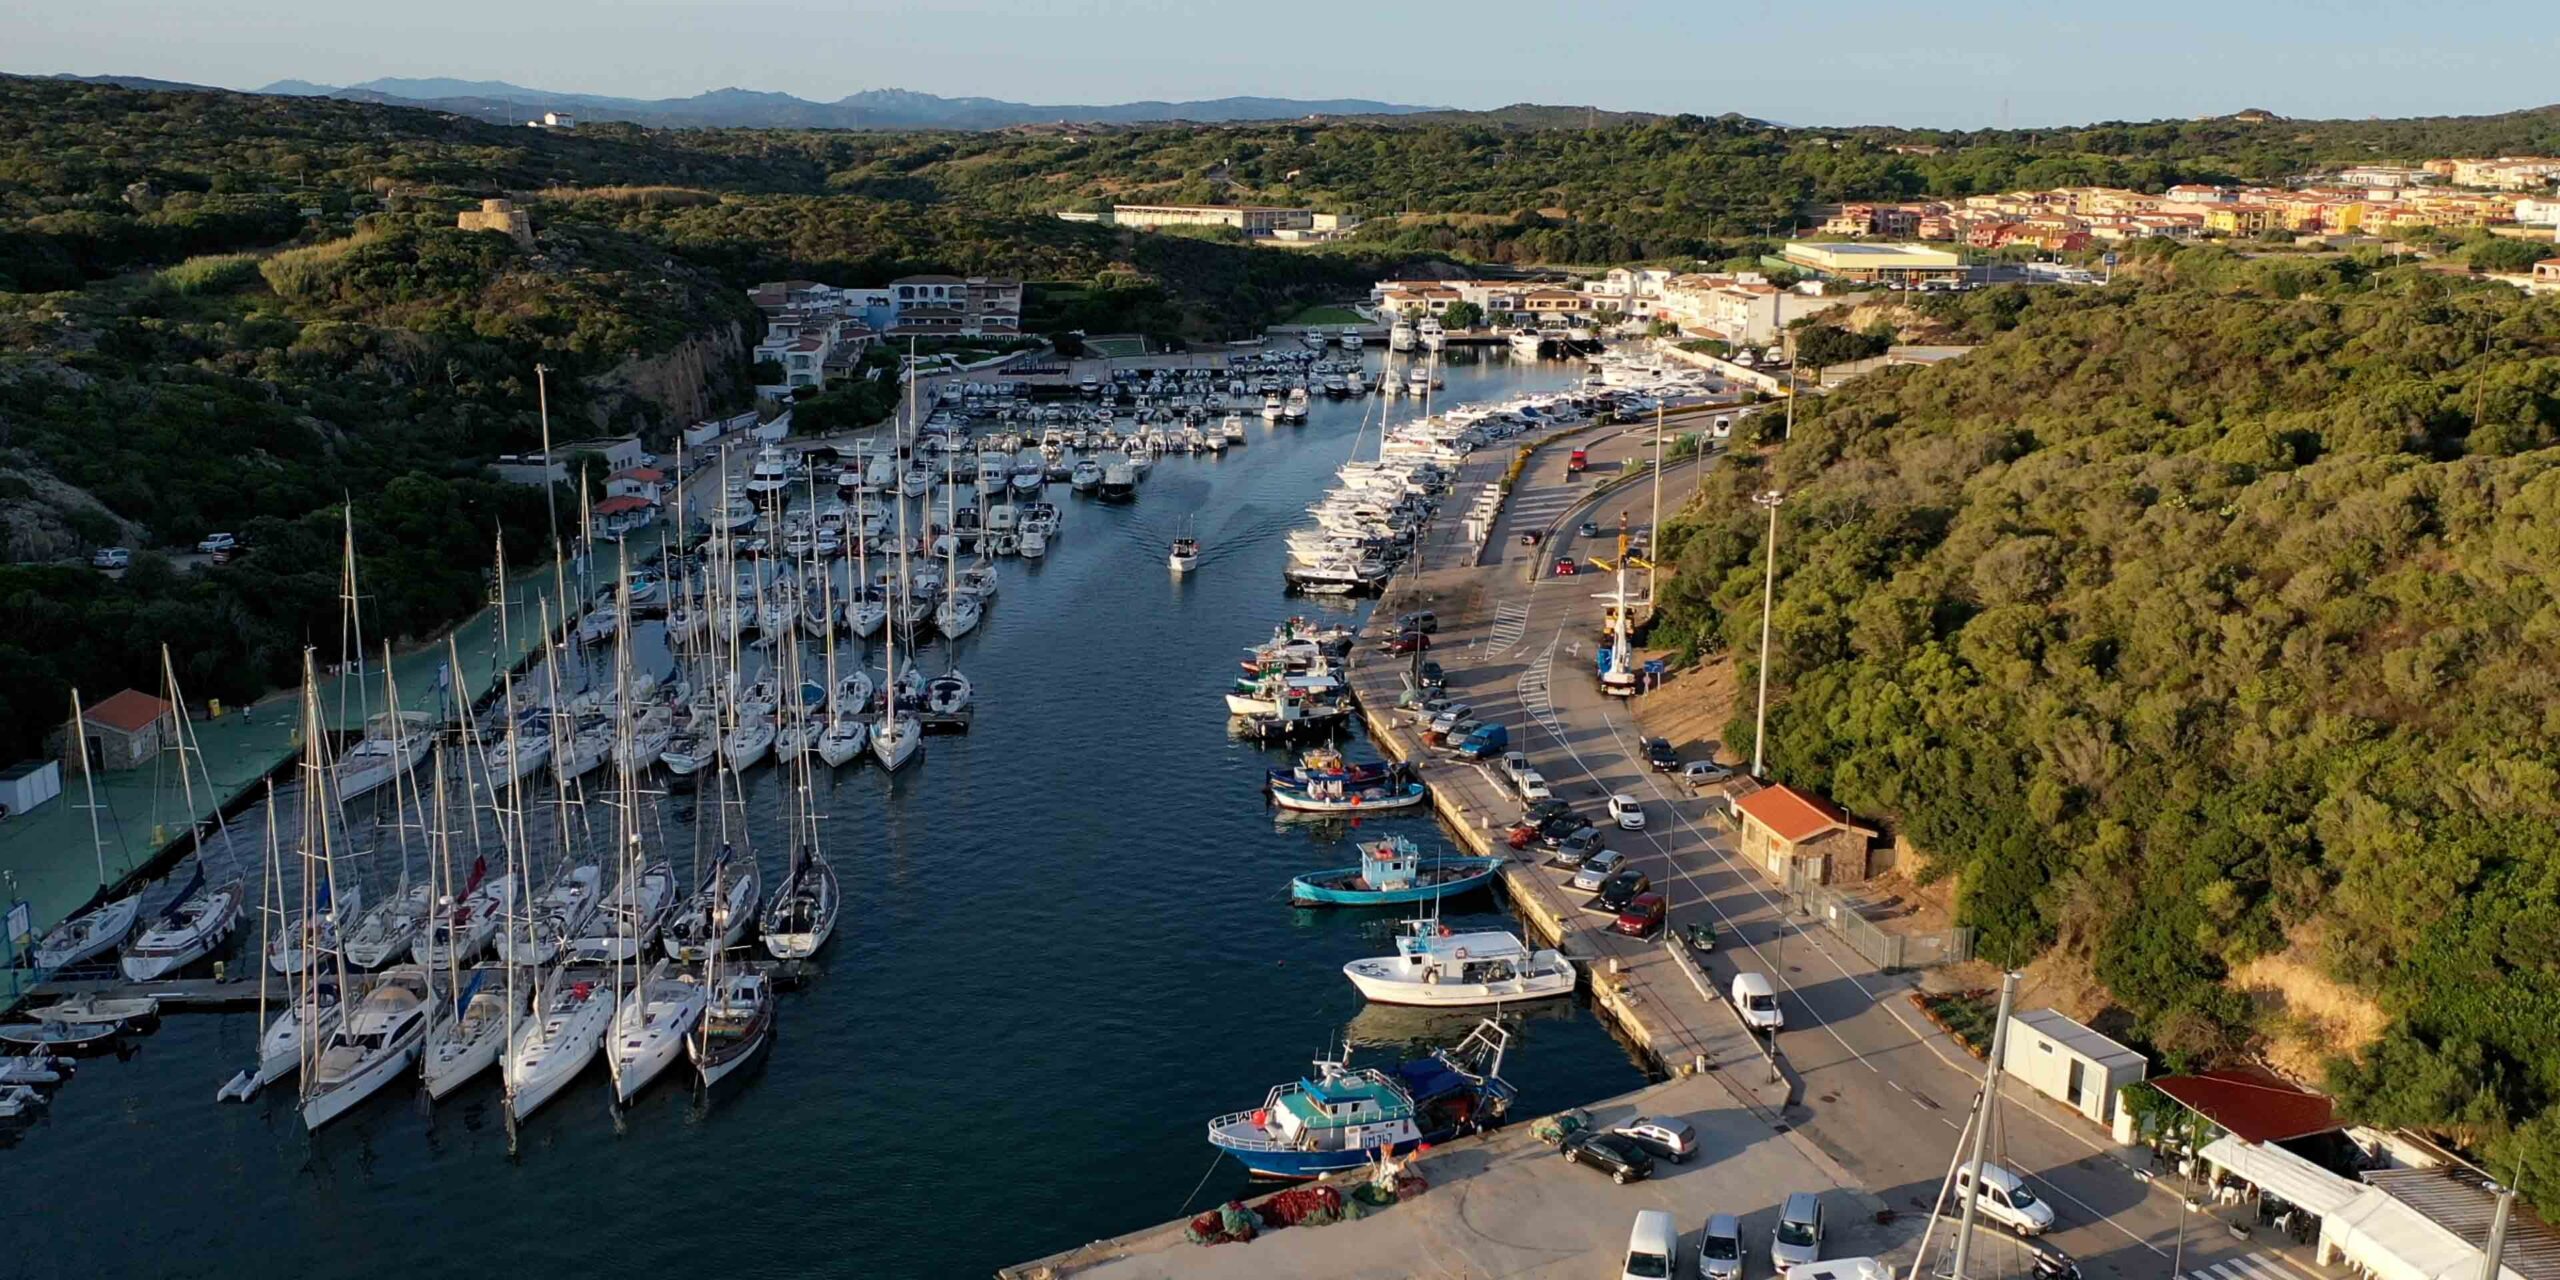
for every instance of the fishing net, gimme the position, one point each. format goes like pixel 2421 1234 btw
pixel 1303 1207
pixel 1231 1221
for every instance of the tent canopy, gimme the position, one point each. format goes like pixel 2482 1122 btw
pixel 2283 1174
pixel 2396 1242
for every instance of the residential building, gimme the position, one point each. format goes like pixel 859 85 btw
pixel 2507 173
pixel 1875 263
pixel 1798 838
pixel 1251 219
pixel 619 453
pixel 554 120
pixel 2197 193
pixel 1742 308
pixel 2534 212
pixel 123 732
pixel 618 516
pixel 2546 277
pixel 972 306
pixel 648 484
pixel 2242 219
pixel 2382 175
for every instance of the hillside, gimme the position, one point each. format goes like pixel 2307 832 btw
pixel 2189 620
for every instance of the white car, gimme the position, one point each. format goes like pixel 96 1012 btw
pixel 217 542
pixel 111 558
pixel 1628 813
pixel 1533 787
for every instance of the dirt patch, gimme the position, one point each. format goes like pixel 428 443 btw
pixel 1691 709
pixel 2308 1017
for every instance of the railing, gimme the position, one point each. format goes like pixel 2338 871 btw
pixel 1880 947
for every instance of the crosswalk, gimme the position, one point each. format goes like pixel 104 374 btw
pixel 1509 621
pixel 1531 508
pixel 1535 697
pixel 2250 1266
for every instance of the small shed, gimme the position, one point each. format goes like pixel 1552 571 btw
pixel 29 783
pixel 1800 839
pixel 2070 1063
pixel 124 732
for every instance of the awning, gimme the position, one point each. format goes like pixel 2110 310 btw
pixel 2283 1174
pixel 2395 1242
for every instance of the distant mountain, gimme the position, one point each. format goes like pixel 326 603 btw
pixel 143 83
pixel 870 109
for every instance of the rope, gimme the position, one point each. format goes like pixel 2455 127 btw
pixel 1204 1181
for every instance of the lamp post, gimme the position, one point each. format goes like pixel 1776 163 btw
pixel 1769 498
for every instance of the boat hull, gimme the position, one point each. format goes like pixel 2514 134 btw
pixel 1413 793
pixel 1457 995
pixel 1300 1166
pixel 326 1106
pixel 1314 891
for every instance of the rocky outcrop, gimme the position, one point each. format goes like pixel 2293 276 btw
pixel 688 382
pixel 44 519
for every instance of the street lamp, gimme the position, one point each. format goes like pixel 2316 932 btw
pixel 1769 498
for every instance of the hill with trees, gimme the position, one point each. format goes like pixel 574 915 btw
pixel 2202 618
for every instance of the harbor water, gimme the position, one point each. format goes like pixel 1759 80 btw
pixel 1065 945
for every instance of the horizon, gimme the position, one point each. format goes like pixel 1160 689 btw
pixel 2020 67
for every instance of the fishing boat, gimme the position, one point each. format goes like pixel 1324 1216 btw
pixel 90 934
pixel 1342 1117
pixel 1436 967
pixel 1392 871
pixel 569 1019
pixel 1345 796
pixel 373 1045
pixel 650 1029
pixel 187 932
pixel 1185 555
pixel 735 1027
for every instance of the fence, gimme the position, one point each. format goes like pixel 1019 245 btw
pixel 1881 947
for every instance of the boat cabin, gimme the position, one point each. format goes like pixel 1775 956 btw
pixel 1430 953
pixel 1347 1110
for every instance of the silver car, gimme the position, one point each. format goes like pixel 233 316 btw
pixel 1720 1248
pixel 1798 1239
pixel 1597 869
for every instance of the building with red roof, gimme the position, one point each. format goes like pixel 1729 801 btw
pixel 122 732
pixel 1799 838
pixel 2252 1106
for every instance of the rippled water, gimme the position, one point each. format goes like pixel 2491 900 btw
pixel 1065 946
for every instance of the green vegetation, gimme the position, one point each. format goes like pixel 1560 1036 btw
pixel 1327 314
pixel 2194 619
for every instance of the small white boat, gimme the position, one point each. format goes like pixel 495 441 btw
pixel 88 935
pixel 568 1025
pixel 1185 555
pixel 650 1029
pixel 18 1100
pixel 1436 968
pixel 185 933
pixel 373 1045
pixel 393 744
pixel 94 1009
pixel 803 913
pixel 460 1047
pixel 1035 544
pixel 895 742
pixel 845 737
pixel 747 744
pixel 736 1025
pixel 957 615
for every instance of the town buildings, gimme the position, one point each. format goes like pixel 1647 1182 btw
pixel 818 332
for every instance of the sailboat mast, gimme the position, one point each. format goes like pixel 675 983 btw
pixel 88 784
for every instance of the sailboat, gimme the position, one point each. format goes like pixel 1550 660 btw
pixel 311 1011
pixel 718 913
pixel 650 1028
pixel 549 1048
pixel 845 734
pixel 736 1025
pixel 801 915
pixel 373 1045
pixel 195 923
pixel 960 610
pixel 651 1015
pixel 94 932
pixel 894 741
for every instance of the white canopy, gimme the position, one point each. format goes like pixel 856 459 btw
pixel 2396 1242
pixel 2283 1174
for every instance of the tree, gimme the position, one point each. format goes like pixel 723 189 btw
pixel 2504 253
pixel 1462 315
pixel 1070 344
pixel 1823 345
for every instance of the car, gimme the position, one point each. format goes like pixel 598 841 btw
pixel 1720 1248
pixel 111 558
pixel 1626 812
pixel 1555 831
pixel 1422 620
pixel 1564 567
pixel 1667 1137
pixel 1433 678
pixel 225 556
pixel 1619 1156
pixel 1643 917
pixel 217 542
pixel 1797 1239
pixel 1589 529
pixel 1757 1002
pixel 1545 810
pixel 1529 539
pixel 1515 763
pixel 1619 890
pixel 1580 847
pixel 1658 753
pixel 1533 787
pixel 1448 717
pixel 1702 774
pixel 1408 642
pixel 1597 868
pixel 1653 1247
pixel 2007 1201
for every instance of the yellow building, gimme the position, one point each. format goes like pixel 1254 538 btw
pixel 1875 262
pixel 2241 219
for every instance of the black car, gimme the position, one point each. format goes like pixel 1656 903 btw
pixel 1424 621
pixel 1658 753
pixel 1433 677
pixel 1555 831
pixel 1589 529
pixel 1546 810
pixel 1623 1158
pixel 1619 890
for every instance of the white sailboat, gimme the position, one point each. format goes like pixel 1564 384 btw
pixel 558 1041
pixel 373 1045
pixel 894 742
pixel 650 1028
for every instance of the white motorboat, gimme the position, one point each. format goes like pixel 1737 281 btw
pixel 388 929
pixel 314 936
pixel 650 1028
pixel 560 913
pixel 1273 408
pixel 1437 968
pixel 33 1069
pixel 187 932
pixel 629 918
pixel 1087 474
pixel 1185 555
pixel 460 1047
pixel 1527 343
pixel 570 1017
pixel 736 1025
pixel 1400 336
pixel 1429 332
pixel 803 913
pixel 770 472
pixel 393 744
pixel 373 1045
pixel 462 930
pixel 717 915
pixel 17 1100
pixel 90 934
pixel 948 694
pixel 1035 544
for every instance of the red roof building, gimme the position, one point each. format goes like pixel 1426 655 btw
pixel 122 732
pixel 2252 1105
pixel 1799 838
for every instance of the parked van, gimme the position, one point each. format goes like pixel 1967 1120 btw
pixel 1653 1247
pixel 2006 1200
pixel 1757 1001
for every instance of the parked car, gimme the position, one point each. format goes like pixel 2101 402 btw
pixel 1589 529
pixel 1581 847
pixel 1433 678
pixel 111 558
pixel 1529 539
pixel 1626 812
pixel 2007 1201
pixel 1623 888
pixel 1564 567
pixel 1448 718
pixel 1596 870
pixel 1514 763
pixel 1653 1247
pixel 1757 1001
pixel 1422 620
pixel 1798 1236
pixel 1555 831
pixel 1643 917
pixel 1720 1248
pixel 1408 642
pixel 1701 774
pixel 217 542
pixel 1614 1154
pixel 1544 811
pixel 1667 1137
pixel 1533 787
pixel 1658 753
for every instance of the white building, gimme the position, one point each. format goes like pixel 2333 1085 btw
pixel 2534 212
pixel 2070 1063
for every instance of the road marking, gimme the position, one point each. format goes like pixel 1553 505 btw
pixel 2252 1266
pixel 1509 622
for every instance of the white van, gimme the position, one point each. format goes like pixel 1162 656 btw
pixel 1653 1247
pixel 2006 1200
pixel 1757 1001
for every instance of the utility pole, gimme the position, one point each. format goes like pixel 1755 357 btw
pixel 1970 1179
pixel 2492 1258
pixel 1769 498
pixel 1653 531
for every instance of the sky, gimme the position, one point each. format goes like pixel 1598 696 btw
pixel 1986 63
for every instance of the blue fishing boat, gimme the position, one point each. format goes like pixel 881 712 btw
pixel 1344 1117
pixel 1392 871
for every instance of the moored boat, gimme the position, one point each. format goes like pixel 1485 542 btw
pixel 1343 1117
pixel 1392 871
pixel 1437 967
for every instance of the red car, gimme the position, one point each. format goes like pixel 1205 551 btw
pixel 1409 642
pixel 1643 917
pixel 1565 568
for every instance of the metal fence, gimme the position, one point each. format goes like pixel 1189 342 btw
pixel 1883 948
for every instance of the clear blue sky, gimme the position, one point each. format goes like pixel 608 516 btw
pixel 2025 62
